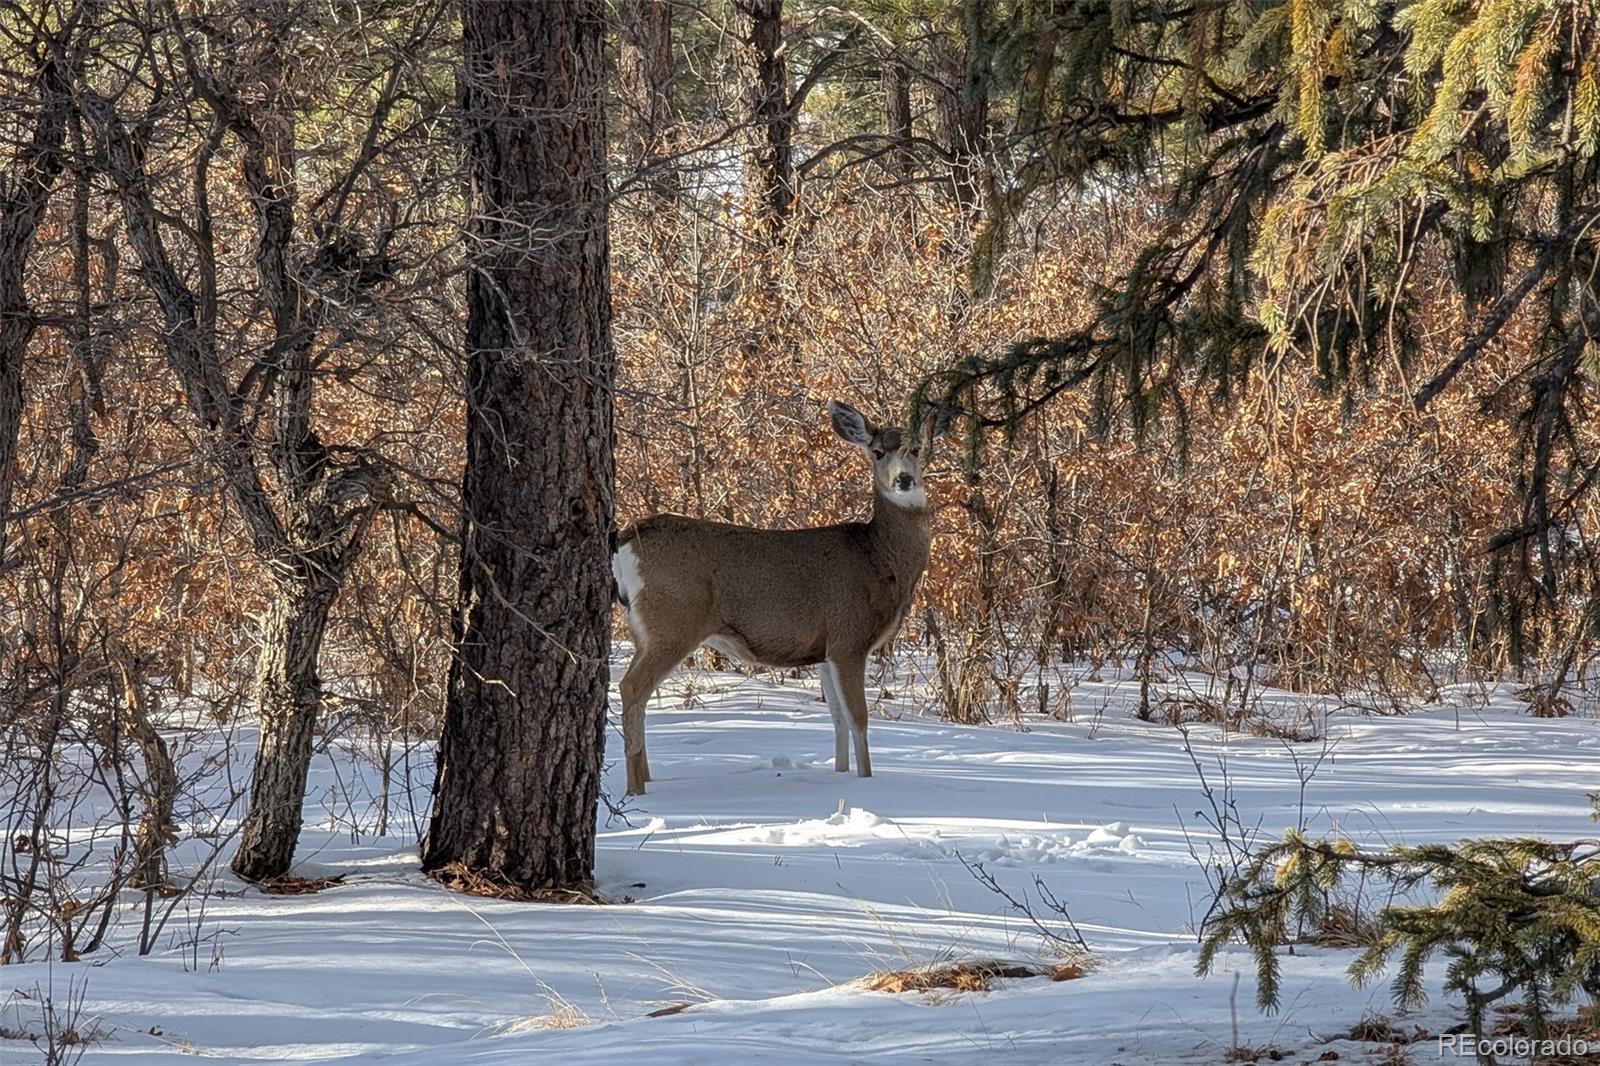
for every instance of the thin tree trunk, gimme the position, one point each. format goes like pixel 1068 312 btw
pixel 897 115
pixel 306 525
pixel 288 697
pixel 1002 201
pixel 961 105
pixel 159 793
pixel 769 167
pixel 977 677
pixel 306 575
pixel 519 759
pixel 644 77
pixel 24 194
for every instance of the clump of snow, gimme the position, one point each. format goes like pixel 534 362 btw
pixel 856 819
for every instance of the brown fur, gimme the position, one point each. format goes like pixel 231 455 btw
pixel 828 595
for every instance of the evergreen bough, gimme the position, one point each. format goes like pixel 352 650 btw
pixel 1514 916
pixel 1320 165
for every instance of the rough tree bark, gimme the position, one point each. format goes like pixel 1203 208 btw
pixel 772 110
pixel 519 759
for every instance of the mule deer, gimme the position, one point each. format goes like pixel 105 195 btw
pixel 830 595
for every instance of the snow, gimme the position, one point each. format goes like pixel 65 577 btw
pixel 763 884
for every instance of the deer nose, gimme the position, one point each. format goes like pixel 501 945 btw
pixel 904 482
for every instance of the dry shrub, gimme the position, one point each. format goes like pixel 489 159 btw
pixel 1288 536
pixel 968 976
pixel 1546 703
pixel 1380 1029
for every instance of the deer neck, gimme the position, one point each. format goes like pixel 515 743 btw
pixel 900 537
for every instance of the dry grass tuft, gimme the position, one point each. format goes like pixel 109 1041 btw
pixel 298 886
pixel 1273 729
pixel 1197 708
pixel 1343 925
pixel 1375 1029
pixel 972 976
pixel 1543 703
pixel 1066 971
pixel 562 1015
pixel 1379 1029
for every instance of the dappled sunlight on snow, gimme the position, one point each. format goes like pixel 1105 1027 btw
pixel 762 881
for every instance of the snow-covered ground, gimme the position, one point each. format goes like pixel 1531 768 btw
pixel 763 883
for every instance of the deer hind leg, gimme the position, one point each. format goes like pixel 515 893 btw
pixel 850 679
pixel 841 717
pixel 652 662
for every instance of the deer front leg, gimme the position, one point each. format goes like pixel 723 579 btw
pixel 638 764
pixel 850 679
pixel 841 737
pixel 650 665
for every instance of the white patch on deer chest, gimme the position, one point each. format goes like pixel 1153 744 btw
pixel 630 582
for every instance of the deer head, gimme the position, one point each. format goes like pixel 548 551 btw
pixel 897 456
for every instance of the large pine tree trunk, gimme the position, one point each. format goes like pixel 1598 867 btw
pixel 519 759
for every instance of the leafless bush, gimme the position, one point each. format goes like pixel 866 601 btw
pixel 58 1027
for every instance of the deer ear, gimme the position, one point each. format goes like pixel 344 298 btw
pixel 936 422
pixel 851 424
